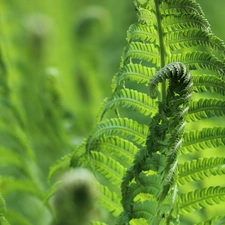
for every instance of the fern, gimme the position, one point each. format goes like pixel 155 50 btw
pixel 108 167
pixel 217 220
pixel 120 149
pixel 206 108
pixel 171 47
pixel 209 83
pixel 200 169
pixel 206 138
pixel 166 145
pixel 110 200
pixel 131 129
pixel 3 221
pixel 130 99
pixel 201 198
pixel 133 72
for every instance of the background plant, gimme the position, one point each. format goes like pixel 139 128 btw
pixel 47 89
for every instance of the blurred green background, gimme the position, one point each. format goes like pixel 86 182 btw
pixel 58 58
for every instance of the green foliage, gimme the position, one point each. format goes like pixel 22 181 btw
pixel 154 151
pixel 164 157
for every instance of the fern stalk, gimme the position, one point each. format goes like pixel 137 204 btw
pixel 161 47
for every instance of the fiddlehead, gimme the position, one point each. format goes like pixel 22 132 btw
pixel 153 172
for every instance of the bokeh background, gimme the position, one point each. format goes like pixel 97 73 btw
pixel 58 58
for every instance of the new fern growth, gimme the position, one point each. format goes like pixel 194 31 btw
pixel 153 175
pixel 157 173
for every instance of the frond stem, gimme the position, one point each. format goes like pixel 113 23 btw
pixel 161 47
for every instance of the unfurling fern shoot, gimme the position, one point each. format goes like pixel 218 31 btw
pixel 149 186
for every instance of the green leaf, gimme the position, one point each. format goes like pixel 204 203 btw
pixel 131 99
pixel 189 38
pixel 141 51
pixel 2 206
pixel 133 72
pixel 198 140
pixel 200 169
pixel 145 16
pixel 11 184
pixel 109 200
pixel 9 157
pixel 201 198
pixel 139 221
pixel 146 210
pixel 216 220
pixel 119 126
pixel 60 164
pixel 200 60
pixel 51 191
pixel 151 184
pixel 142 33
pixel 121 150
pixel 15 138
pixel 210 83
pixel 78 158
pixel 184 6
pixel 181 21
pixel 205 108
pixel 108 167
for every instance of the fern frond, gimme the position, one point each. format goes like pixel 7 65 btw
pixel 216 220
pixel 108 167
pixel 109 200
pixel 151 184
pixel 52 191
pixel 146 209
pixel 2 205
pixel 200 60
pixel 182 6
pixel 145 16
pixel 15 138
pixel 142 33
pixel 180 78
pixel 194 37
pixel 12 158
pixel 131 99
pixel 146 52
pixel 119 149
pixel 174 22
pixel 139 221
pixel 119 126
pixel 200 169
pixel 209 83
pixel 206 108
pixel 201 198
pixel 2 212
pixel 60 164
pixel 133 72
pixel 198 140
pixel 145 175
pixel 11 184
pixel 157 162
pixel 78 158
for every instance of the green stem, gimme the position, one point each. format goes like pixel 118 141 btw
pixel 162 48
